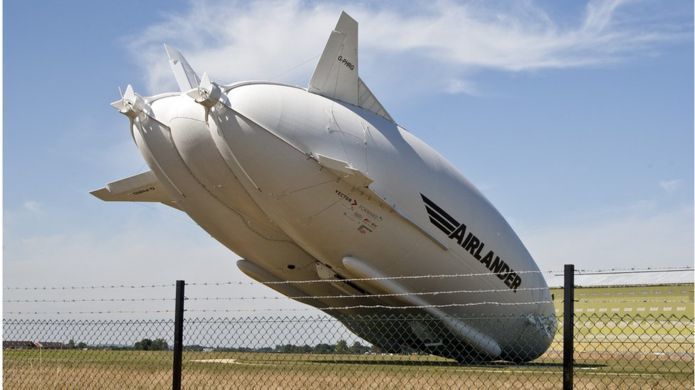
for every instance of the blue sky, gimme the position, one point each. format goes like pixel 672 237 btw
pixel 575 119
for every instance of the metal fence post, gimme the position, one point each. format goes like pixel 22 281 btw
pixel 568 329
pixel 178 335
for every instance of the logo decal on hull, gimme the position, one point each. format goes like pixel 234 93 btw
pixel 456 231
pixel 365 219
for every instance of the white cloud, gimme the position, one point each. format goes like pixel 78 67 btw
pixel 456 86
pixel 671 186
pixel 32 206
pixel 267 40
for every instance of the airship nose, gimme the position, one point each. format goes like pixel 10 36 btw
pixel 177 125
pixel 151 121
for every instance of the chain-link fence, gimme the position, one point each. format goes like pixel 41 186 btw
pixel 311 352
pixel 652 351
pixel 639 336
pixel 86 354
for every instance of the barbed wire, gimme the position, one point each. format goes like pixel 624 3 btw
pixel 663 290
pixel 615 271
pixel 330 308
pixel 251 298
pixel 365 279
pixel 444 276
pixel 249 282
pixel 93 287
pixel 409 294
pixel 578 272
pixel 305 297
pixel 384 295
pixel 386 307
pixel 61 312
pixel 80 300
pixel 310 297
pixel 631 301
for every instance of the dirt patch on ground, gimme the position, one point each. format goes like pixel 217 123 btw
pixel 220 361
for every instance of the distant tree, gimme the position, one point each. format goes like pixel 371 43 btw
pixel 284 348
pixel 151 345
pixel 71 344
pixel 358 348
pixel 342 347
pixel 143 344
pixel 81 345
pixel 324 348
pixel 291 348
pixel 159 345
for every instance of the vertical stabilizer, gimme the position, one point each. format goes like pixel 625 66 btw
pixel 185 76
pixel 336 73
pixel 336 76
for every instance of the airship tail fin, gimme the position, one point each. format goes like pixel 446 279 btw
pixel 368 101
pixel 336 75
pixel 186 77
pixel 143 187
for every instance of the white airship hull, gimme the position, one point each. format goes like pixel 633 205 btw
pixel 253 178
pixel 323 184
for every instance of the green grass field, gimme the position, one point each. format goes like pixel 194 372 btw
pixel 135 369
pixel 614 348
pixel 669 300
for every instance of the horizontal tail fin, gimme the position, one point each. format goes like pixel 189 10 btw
pixel 143 187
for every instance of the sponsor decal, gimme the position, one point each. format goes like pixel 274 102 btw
pixel 365 219
pixel 470 243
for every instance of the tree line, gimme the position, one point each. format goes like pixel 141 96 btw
pixel 341 347
pixel 146 344
pixel 142 345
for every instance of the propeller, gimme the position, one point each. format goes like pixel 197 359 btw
pixel 131 104
pixel 202 90
pixel 207 93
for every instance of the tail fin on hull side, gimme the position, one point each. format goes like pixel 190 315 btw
pixel 143 187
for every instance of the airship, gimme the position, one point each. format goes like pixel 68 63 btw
pixel 329 201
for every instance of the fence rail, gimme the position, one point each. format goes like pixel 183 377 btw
pixel 398 349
